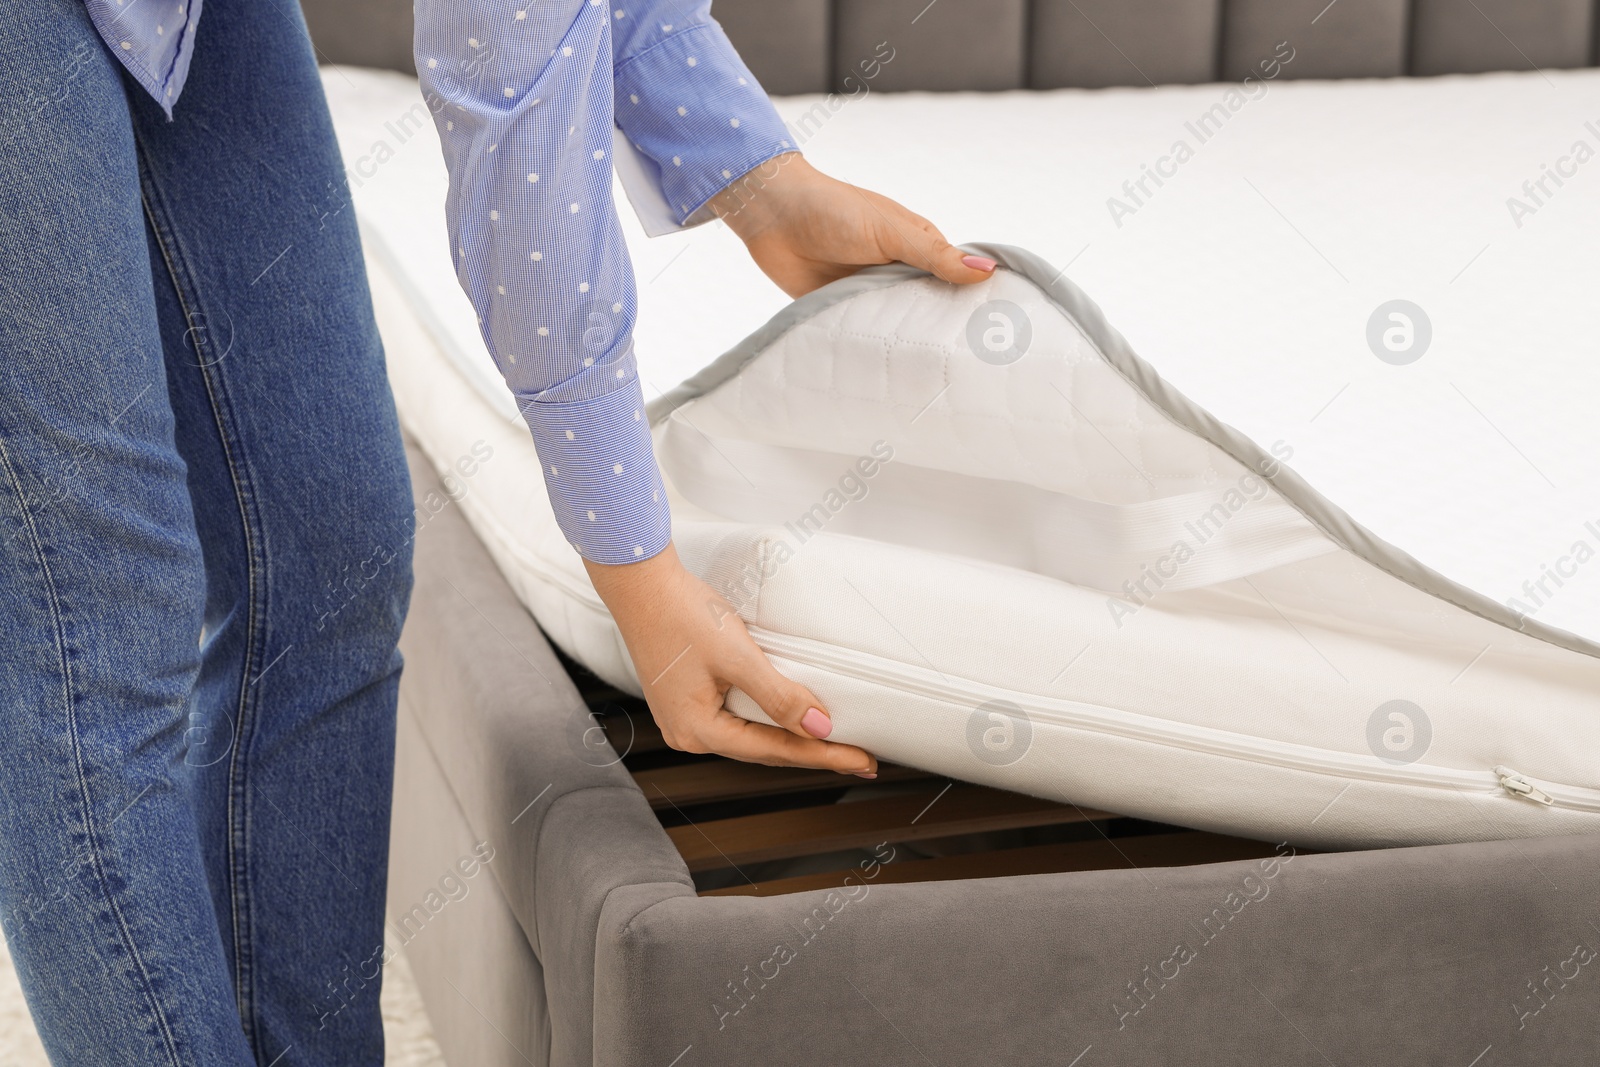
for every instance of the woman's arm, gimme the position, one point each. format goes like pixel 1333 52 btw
pixel 687 101
pixel 521 96
pixel 523 99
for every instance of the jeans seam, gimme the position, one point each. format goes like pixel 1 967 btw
pixel 80 779
pixel 238 816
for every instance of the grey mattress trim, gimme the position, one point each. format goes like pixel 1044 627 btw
pixel 1323 513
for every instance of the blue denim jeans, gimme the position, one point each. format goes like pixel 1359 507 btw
pixel 205 522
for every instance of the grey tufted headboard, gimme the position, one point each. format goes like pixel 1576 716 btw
pixel 802 46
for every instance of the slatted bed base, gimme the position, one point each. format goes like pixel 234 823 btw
pixel 746 829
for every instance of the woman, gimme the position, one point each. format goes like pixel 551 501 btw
pixel 199 455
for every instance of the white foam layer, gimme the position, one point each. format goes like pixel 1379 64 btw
pixel 1248 277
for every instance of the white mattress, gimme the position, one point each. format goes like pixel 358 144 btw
pixel 1247 281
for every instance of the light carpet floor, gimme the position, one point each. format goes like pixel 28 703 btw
pixel 405 1026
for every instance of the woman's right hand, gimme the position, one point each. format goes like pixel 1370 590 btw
pixel 690 647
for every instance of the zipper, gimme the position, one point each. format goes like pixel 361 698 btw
pixel 1100 719
pixel 1518 785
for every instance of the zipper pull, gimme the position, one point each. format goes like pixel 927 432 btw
pixel 1518 786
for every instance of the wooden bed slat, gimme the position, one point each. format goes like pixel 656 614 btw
pixel 723 779
pixel 1152 850
pixel 957 809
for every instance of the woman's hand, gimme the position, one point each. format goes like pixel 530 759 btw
pixel 688 645
pixel 690 648
pixel 805 229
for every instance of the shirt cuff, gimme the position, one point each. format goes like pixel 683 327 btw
pixel 691 105
pixel 600 472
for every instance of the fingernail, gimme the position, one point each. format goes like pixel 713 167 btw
pixel 979 262
pixel 815 723
pixel 865 774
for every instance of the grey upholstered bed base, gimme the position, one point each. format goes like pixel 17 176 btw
pixel 577 938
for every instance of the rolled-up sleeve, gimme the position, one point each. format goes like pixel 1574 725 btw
pixel 525 98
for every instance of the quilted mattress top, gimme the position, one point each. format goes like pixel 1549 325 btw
pixel 1252 248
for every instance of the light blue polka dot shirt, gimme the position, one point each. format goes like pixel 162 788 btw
pixel 526 94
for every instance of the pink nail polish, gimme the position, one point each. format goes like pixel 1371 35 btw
pixel 815 723
pixel 978 263
pixel 865 774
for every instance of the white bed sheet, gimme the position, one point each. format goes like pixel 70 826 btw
pixel 1247 278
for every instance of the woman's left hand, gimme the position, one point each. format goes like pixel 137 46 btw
pixel 805 229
